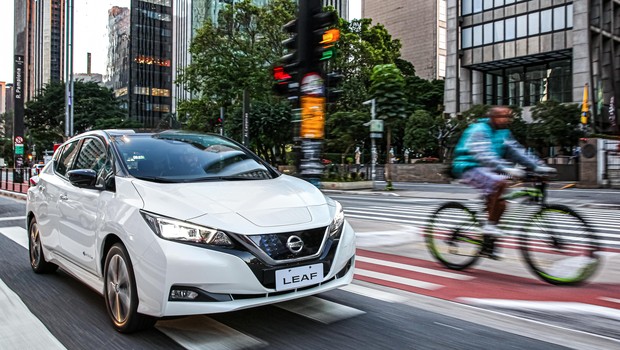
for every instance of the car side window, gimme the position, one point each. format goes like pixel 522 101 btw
pixel 69 152
pixel 92 155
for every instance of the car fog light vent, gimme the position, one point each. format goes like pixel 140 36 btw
pixel 183 294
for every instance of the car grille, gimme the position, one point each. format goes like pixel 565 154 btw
pixel 274 244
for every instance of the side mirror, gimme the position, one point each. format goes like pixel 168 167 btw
pixel 83 178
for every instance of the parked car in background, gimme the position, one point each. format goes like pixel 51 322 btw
pixel 179 223
pixel 36 169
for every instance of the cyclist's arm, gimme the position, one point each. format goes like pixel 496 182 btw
pixel 515 152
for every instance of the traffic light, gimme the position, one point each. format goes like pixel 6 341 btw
pixel 324 36
pixel 285 74
pixel 290 61
pixel 332 90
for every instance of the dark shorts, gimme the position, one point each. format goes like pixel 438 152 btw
pixel 483 179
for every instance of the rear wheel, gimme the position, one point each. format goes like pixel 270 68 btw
pixel 120 293
pixel 559 246
pixel 454 236
pixel 35 250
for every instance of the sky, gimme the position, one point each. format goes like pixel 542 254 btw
pixel 90 34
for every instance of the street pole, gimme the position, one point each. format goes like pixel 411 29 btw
pixel 373 147
pixel 69 70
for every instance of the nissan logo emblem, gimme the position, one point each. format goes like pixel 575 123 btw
pixel 294 244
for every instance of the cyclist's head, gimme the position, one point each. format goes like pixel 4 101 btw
pixel 500 116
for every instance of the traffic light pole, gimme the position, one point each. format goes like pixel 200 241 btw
pixel 373 147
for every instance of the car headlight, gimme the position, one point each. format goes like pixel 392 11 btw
pixel 335 228
pixel 181 231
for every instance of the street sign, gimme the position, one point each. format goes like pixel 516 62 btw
pixel 376 125
pixel 19 149
pixel 312 117
pixel 19 140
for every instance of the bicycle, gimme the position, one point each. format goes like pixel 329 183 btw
pixel 548 242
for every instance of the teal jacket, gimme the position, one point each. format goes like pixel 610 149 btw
pixel 483 146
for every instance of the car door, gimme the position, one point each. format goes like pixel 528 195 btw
pixel 80 208
pixel 52 186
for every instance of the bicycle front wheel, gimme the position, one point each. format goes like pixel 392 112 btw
pixel 559 246
pixel 454 236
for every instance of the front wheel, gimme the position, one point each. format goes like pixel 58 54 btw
pixel 120 292
pixel 454 236
pixel 559 246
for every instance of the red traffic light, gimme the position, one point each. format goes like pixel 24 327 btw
pixel 279 73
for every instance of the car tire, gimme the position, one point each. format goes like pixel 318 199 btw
pixel 35 250
pixel 120 292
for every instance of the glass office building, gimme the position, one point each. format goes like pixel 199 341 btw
pixel 521 52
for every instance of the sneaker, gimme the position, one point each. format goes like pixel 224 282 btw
pixel 492 230
pixel 491 250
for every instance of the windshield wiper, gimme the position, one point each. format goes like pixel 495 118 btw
pixel 157 179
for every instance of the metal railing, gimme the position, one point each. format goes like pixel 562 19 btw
pixel 7 175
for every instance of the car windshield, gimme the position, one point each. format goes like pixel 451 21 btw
pixel 188 157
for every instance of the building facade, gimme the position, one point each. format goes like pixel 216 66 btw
pixel 46 44
pixel 521 52
pixel 2 97
pixel 117 70
pixel 420 25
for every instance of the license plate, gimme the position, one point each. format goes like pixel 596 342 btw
pixel 297 277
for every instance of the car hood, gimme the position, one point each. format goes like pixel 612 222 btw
pixel 238 205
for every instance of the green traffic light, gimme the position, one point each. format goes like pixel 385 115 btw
pixel 328 53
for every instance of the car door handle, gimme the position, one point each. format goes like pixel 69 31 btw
pixel 63 197
pixel 41 188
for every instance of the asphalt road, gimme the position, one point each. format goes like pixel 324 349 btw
pixel 367 315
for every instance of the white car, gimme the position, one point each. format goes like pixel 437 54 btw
pixel 180 223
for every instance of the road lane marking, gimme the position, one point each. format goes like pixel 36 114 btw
pixel 201 332
pixel 613 300
pixel 407 267
pixel 17 234
pixel 20 328
pixel 320 310
pixel 374 293
pixel 550 306
pixel 13 218
pixel 397 279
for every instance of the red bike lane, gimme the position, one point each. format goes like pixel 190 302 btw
pixel 431 279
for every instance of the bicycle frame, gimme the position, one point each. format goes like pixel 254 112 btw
pixel 536 191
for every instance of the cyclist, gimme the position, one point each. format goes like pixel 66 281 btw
pixel 482 153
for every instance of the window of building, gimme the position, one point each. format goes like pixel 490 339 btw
pixel 466 39
pixel 569 16
pixel 546 21
pixel 466 7
pixel 488 33
pixel 443 11
pixel 499 31
pixel 477 35
pixel 510 32
pixel 559 18
pixel 477 6
pixel 487 4
pixel 442 39
pixel 499 3
pixel 528 85
pixel 533 23
pixel 521 26
pixel 441 66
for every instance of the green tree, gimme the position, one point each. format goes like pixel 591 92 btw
pixel 554 124
pixel 420 133
pixel 387 88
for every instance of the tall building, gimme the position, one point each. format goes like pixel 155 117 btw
pixel 140 59
pixel 341 6
pixel 520 52
pixel 46 44
pixel 420 25
pixel 9 106
pixel 117 71
pixel 2 97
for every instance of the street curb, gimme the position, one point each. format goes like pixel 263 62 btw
pixel 15 195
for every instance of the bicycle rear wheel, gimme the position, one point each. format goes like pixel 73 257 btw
pixel 454 236
pixel 559 246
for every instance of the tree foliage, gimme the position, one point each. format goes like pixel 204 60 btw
pixel 554 124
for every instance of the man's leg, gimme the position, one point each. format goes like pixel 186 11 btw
pixel 492 186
